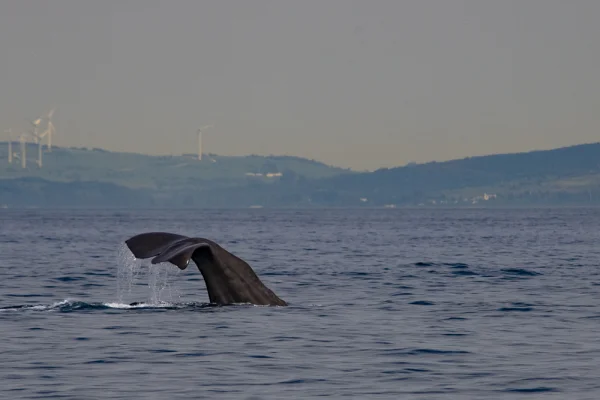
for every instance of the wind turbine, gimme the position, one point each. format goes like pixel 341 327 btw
pixel 35 124
pixel 39 161
pixel 23 141
pixel 37 138
pixel 10 139
pixel 200 139
pixel 50 129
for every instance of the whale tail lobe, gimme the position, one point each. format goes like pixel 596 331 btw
pixel 165 247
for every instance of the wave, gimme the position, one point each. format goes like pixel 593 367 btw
pixel 69 305
pixel 519 272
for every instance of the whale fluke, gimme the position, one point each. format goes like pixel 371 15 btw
pixel 228 278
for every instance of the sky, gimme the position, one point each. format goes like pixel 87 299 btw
pixel 358 84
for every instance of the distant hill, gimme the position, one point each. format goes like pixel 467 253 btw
pixel 36 192
pixel 157 172
pixel 79 177
pixel 544 176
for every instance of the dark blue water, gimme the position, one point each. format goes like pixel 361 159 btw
pixel 384 304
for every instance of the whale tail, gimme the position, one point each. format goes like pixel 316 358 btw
pixel 228 278
pixel 164 246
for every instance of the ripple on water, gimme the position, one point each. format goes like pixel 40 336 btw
pixel 519 272
pixel 387 304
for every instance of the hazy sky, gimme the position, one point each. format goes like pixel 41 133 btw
pixel 361 84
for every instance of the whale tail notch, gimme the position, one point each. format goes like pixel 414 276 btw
pixel 164 246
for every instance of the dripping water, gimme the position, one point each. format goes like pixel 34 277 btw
pixel 129 268
pixel 161 285
pixel 160 279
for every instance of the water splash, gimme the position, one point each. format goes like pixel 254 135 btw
pixel 129 268
pixel 161 290
pixel 159 277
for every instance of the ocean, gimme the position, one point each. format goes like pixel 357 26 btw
pixel 383 304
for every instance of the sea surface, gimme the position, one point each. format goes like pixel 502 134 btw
pixel 384 304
